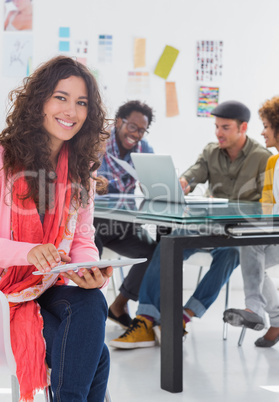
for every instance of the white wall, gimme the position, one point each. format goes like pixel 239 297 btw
pixel 248 28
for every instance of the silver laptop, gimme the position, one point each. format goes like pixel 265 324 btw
pixel 159 181
pixel 158 178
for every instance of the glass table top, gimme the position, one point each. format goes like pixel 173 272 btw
pixel 165 211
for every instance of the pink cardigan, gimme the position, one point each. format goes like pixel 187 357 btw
pixel 15 253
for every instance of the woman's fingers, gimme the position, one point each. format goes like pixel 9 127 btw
pixel 44 257
pixel 91 278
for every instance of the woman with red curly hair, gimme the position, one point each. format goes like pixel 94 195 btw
pixel 261 295
pixel 49 152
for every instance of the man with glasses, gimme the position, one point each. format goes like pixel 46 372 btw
pixel 130 240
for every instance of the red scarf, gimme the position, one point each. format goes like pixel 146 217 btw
pixel 26 322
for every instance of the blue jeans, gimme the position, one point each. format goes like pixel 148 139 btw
pixel 261 294
pixel 74 330
pixel 225 260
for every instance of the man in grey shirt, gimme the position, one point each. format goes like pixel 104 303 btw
pixel 234 168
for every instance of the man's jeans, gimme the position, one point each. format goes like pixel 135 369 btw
pixel 225 260
pixel 260 292
pixel 74 330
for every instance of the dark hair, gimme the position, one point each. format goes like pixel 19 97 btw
pixel 135 106
pixel 26 143
pixel 270 112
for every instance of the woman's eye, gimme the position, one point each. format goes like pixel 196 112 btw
pixel 60 97
pixel 82 103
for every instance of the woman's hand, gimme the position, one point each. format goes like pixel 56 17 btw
pixel 45 257
pixel 91 278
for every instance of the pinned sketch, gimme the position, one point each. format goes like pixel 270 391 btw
pixel 139 52
pixel 166 62
pixel 208 100
pixel 17 54
pixel 209 60
pixel 105 48
pixel 138 84
pixel 18 15
pixel 171 100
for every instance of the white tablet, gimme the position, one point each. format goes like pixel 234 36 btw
pixel 100 264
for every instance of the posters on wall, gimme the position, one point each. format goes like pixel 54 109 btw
pixel 18 38
pixel 138 84
pixel 18 15
pixel 64 39
pixel 209 60
pixel 166 62
pixel 139 52
pixel 105 48
pixel 171 100
pixel 208 100
pixel 18 50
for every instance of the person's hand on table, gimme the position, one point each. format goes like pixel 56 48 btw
pixel 185 185
pixel 45 257
pixel 91 278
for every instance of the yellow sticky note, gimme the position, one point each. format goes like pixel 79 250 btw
pixel 139 52
pixel 171 100
pixel 166 62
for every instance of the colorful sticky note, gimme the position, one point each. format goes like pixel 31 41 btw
pixel 82 60
pixel 64 32
pixel 166 62
pixel 64 46
pixel 171 100
pixel 139 52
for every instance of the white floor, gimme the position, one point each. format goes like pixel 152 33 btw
pixel 214 370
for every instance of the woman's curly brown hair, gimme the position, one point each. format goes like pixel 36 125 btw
pixel 26 143
pixel 270 112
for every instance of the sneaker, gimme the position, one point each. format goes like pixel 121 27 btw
pixel 139 335
pixel 238 318
pixel 124 320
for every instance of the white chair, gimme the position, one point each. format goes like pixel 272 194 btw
pixel 204 259
pixel 7 361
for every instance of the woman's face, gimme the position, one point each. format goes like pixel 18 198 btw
pixel 269 135
pixel 66 110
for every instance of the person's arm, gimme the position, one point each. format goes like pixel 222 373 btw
pixel 267 193
pixel 14 252
pixel 197 173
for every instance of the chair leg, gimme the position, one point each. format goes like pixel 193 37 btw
pixel 107 396
pixel 242 334
pixel 48 394
pixel 15 389
pixel 225 325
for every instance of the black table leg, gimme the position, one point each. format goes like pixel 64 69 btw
pixel 171 316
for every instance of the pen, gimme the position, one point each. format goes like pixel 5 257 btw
pixel 112 181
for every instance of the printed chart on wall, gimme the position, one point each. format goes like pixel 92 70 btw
pixel 209 60
pixel 208 100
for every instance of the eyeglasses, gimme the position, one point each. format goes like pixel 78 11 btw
pixel 132 128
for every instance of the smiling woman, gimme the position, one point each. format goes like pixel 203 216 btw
pixel 49 152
